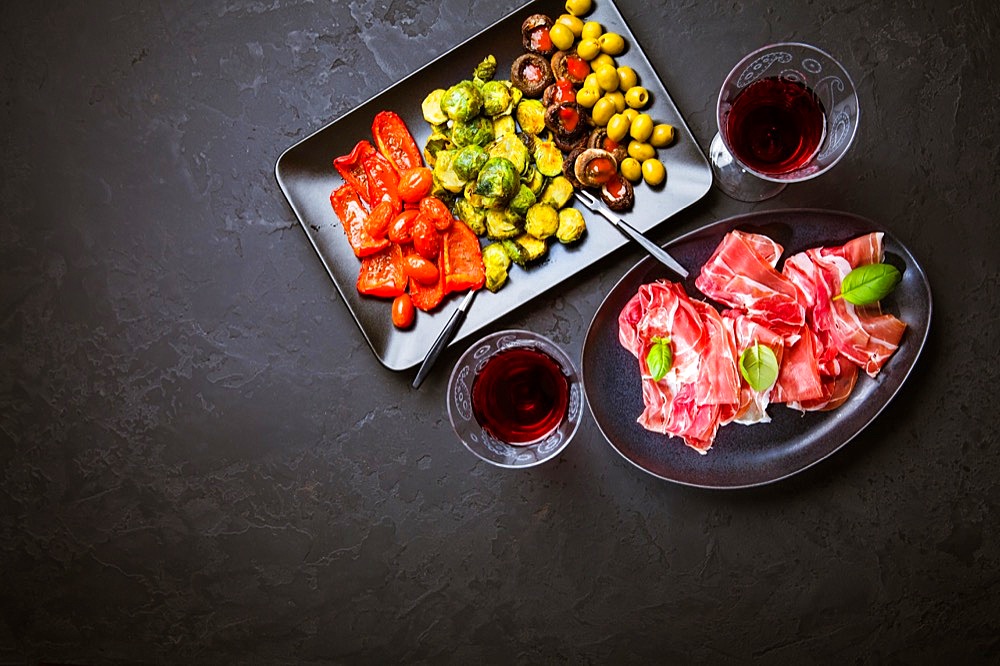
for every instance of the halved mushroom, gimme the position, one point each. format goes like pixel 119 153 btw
pixel 594 167
pixel 618 193
pixel 531 74
pixel 599 139
pixel 535 34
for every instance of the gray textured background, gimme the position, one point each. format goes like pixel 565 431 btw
pixel 202 462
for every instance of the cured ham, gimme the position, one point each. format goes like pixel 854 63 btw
pixel 820 342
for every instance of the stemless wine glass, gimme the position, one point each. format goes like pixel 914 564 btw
pixel 787 113
pixel 528 450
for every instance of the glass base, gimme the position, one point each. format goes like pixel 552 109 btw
pixel 736 181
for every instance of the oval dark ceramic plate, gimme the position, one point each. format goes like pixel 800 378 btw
pixel 744 456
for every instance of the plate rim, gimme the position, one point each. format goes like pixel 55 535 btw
pixel 733 221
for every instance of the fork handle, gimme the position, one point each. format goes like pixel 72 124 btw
pixel 658 252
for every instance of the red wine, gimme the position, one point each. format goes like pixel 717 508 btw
pixel 520 396
pixel 775 126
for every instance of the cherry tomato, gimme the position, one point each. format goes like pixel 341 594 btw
pixel 415 184
pixel 378 221
pixel 400 231
pixel 435 210
pixel 402 311
pixel 426 240
pixel 420 269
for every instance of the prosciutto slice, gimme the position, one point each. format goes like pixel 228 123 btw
pixel 745 332
pixel 862 334
pixel 742 274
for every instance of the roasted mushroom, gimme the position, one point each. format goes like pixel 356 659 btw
pixel 535 35
pixel 566 121
pixel 618 193
pixel 594 167
pixel 599 139
pixel 531 74
pixel 571 143
pixel 559 92
pixel 569 164
pixel 570 67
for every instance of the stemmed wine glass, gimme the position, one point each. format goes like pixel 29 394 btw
pixel 787 113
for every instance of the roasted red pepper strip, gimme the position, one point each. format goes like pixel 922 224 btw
pixel 395 141
pixel 351 168
pixel 383 182
pixel 463 260
pixel 382 274
pixel 352 214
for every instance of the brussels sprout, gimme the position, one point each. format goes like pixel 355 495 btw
pixel 571 225
pixel 496 98
pixel 431 106
pixel 476 200
pixel 522 201
pixel 468 161
pixel 486 69
pixel 511 147
pixel 558 192
pixel 541 221
pixel 534 180
pixel 444 171
pixel 525 249
pixel 475 131
pixel 496 261
pixel 504 125
pixel 474 218
pixel 436 142
pixel 462 101
pixel 498 180
pixel 531 116
pixel 548 158
pixel 502 223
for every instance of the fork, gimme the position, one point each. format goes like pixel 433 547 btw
pixel 657 252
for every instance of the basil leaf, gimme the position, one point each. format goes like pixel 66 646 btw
pixel 660 358
pixel 869 284
pixel 759 366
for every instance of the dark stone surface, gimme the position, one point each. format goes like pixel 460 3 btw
pixel 202 462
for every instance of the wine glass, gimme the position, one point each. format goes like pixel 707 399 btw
pixel 515 399
pixel 787 113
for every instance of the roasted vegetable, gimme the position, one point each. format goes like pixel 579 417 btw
pixel 571 225
pixel 525 249
pixel 541 221
pixel 436 142
pixel 534 179
pixel 444 172
pixel 557 193
pixel 431 107
pixel 522 201
pixel 502 223
pixel 532 74
pixel 496 262
pixel 530 115
pixel 474 217
pixel 498 180
pixel 462 101
pixel 548 158
pixel 504 125
pixel 485 70
pixel 468 161
pixel 497 98
pixel 512 148
pixel 475 131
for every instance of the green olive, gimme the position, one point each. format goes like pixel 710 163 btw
pixel 641 150
pixel 618 99
pixel 592 30
pixel 618 127
pixel 562 36
pixel 607 78
pixel 588 48
pixel 627 77
pixel 642 127
pixel 603 109
pixel 653 171
pixel 602 59
pixel 611 43
pixel 587 96
pixel 578 7
pixel 663 135
pixel 637 97
pixel 631 169
pixel 574 23
pixel 630 113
